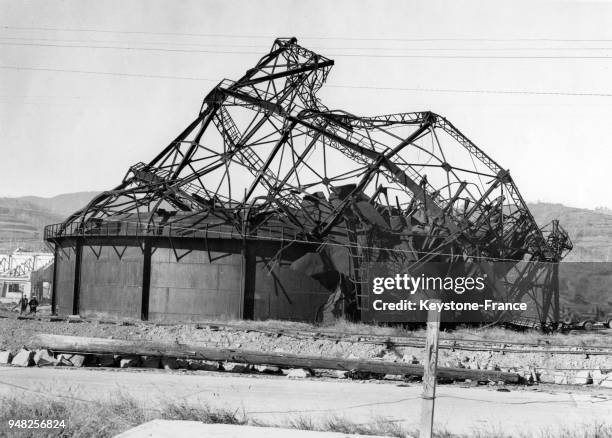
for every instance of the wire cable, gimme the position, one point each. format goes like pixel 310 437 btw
pixel 267 46
pixel 350 55
pixel 364 87
pixel 313 37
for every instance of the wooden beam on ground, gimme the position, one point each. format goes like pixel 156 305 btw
pixel 83 345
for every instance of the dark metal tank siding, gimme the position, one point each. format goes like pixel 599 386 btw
pixel 183 279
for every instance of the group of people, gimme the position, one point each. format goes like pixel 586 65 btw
pixel 24 303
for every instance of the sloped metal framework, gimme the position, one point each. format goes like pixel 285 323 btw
pixel 265 159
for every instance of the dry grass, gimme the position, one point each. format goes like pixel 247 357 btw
pixel 379 427
pixel 501 334
pixel 382 427
pixel 87 419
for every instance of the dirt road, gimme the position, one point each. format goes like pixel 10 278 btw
pixel 277 399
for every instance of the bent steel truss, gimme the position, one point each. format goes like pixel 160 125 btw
pixel 264 158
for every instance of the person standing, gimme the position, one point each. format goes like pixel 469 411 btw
pixel 23 304
pixel 33 304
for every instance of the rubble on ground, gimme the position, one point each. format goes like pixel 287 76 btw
pixel 595 370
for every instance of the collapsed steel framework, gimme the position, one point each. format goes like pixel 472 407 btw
pixel 265 154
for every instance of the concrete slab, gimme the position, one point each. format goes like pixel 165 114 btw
pixel 5 357
pixel 172 429
pixel 44 358
pixel 23 358
pixel 77 360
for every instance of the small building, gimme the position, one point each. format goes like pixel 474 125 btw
pixel 19 269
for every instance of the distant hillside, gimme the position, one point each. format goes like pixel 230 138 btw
pixel 22 223
pixel 22 220
pixel 590 230
pixel 604 210
pixel 63 204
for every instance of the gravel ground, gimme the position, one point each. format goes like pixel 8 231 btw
pixel 16 333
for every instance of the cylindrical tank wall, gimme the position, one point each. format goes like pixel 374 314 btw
pixel 111 281
pixel 189 280
pixel 63 283
pixel 194 285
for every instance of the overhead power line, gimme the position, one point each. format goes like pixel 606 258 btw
pixel 105 73
pixel 313 37
pixel 451 90
pixel 362 55
pixel 267 46
pixel 365 87
pixel 152 49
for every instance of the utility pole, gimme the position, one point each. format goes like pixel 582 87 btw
pixel 430 365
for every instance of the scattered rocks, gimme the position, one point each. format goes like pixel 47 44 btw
pixel 129 362
pixel 299 373
pixel 234 367
pixel 23 358
pixel 44 358
pixel 268 369
pixel 561 378
pixel 5 357
pixel 410 358
pixel 77 360
pixel 597 376
pixel 380 352
pixel 453 364
pixel 393 377
pixel 545 377
pixel 204 365
pixel 606 380
pixel 583 377
pixel 340 374
pixel 63 360
pixel 233 337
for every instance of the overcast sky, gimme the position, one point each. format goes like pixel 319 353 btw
pixel 65 130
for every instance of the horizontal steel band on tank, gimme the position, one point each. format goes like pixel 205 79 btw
pixel 134 229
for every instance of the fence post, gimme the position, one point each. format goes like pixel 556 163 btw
pixel 429 372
